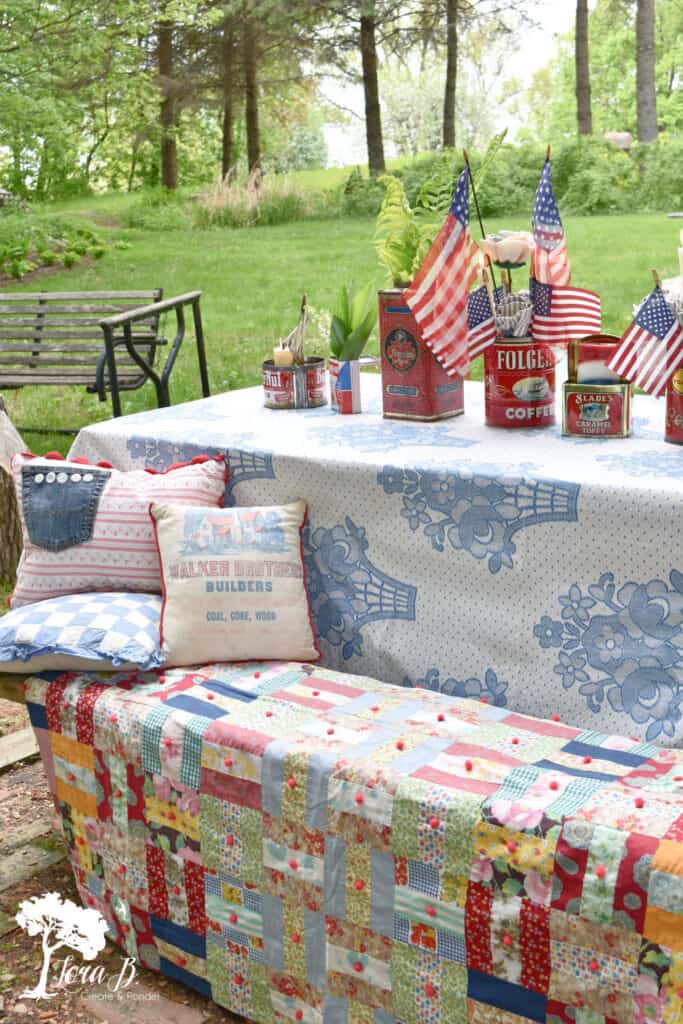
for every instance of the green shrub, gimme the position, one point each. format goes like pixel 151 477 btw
pixel 158 210
pixel 70 258
pixel 359 196
pixel 266 200
pixel 29 240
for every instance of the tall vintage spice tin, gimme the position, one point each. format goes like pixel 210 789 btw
pixel 673 431
pixel 294 387
pixel 414 384
pixel 597 410
pixel 519 383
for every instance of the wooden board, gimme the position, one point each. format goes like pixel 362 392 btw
pixel 16 746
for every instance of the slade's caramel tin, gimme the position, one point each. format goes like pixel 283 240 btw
pixel 519 383
pixel 414 384
pixel 597 410
pixel 673 431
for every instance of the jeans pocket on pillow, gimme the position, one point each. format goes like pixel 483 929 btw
pixel 60 503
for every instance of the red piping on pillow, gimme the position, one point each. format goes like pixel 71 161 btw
pixel 161 573
pixel 82 461
pixel 303 569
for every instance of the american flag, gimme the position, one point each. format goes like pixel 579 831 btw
pixel 481 321
pixel 551 261
pixel 563 314
pixel 437 296
pixel 651 349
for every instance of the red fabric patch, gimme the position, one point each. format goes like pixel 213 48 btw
pixel 534 942
pixel 233 790
pixel 144 939
pixel 572 883
pixel 54 698
pixel 135 778
pixel 85 707
pixel 103 779
pixel 194 888
pixel 637 846
pixel 156 881
pixel 478 927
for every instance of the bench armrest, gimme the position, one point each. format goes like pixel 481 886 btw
pixel 131 316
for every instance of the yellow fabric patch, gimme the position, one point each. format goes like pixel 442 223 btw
pixel 77 753
pixel 664 927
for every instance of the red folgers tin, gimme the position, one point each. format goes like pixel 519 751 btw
pixel 414 384
pixel 294 387
pixel 673 431
pixel 519 383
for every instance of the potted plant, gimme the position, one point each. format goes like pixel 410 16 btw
pixel 353 319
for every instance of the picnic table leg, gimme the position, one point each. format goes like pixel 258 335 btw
pixel 201 351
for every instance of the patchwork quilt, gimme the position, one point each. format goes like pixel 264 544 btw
pixel 300 845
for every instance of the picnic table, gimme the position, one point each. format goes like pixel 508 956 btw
pixel 518 566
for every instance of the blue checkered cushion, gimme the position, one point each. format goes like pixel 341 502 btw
pixel 113 629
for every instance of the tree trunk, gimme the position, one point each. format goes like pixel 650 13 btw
pixel 646 94
pixel 448 132
pixel 228 119
pixel 10 528
pixel 584 113
pixel 251 96
pixel 169 117
pixel 373 115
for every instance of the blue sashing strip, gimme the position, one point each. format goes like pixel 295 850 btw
pixel 506 996
pixel 171 970
pixel 622 757
pixel 37 714
pixel 314 932
pixel 273 776
pixel 335 876
pixel 320 766
pixel 578 773
pixel 272 932
pixel 226 690
pixel 178 936
pixel 195 706
pixel 335 1010
pixel 382 893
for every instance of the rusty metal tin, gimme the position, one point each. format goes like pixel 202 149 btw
pixel 294 387
pixel 597 410
pixel 414 384
pixel 519 383
pixel 673 430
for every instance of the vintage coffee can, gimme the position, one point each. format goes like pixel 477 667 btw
pixel 519 383
pixel 294 387
pixel 597 410
pixel 414 384
pixel 673 431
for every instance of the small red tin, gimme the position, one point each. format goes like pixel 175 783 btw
pixel 673 431
pixel 597 410
pixel 294 387
pixel 519 383
pixel 414 384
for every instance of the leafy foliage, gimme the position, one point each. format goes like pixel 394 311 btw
pixel 29 241
pixel 353 318
pixel 397 235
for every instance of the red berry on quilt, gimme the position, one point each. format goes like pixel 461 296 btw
pixel 228 762
pixel 176 890
pixel 600 871
pixel 554 784
pixel 441 718
pixel 431 911
pixel 232 918
pixel 293 865
pixel 374 708
pixel 515 740
pixel 468 766
pixel 125 928
pixel 507 940
pixel 113 718
pixel 484 700
pixel 587 759
pixel 171 816
pixel 678 778
pixel 358 967
pixel 167 741
pixel 634 739
pixel 594 966
pixel 359 798
pixel 121 869
pixel 400 745
pixel 65 705
pixel 430 990
pixel 299 1015
pixel 291 783
pixel 434 822
pixel 359 838
pixel 90 901
pixel 71 776
pixel 316 693
pixel 639 802
pixel 239 980
pixel 230 840
pixel 611 998
pixel 511 846
pixel 330 732
pixel 269 714
pixel 117 794
pixel 359 885
pixel 257 675
pixel 80 840
pixel 296 938
pixel 210 696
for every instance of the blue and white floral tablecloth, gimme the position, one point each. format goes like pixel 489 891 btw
pixel 535 571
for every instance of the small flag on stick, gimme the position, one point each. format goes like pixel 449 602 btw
pixel 651 349
pixel 551 260
pixel 563 314
pixel 437 296
pixel 481 319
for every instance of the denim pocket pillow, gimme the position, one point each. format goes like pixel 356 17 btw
pixel 87 528
pixel 111 630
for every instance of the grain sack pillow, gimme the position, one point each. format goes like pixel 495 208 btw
pixel 82 632
pixel 234 586
pixel 87 528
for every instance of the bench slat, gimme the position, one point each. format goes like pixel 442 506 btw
pixel 39 359
pixel 67 376
pixel 87 296
pixel 41 346
pixel 59 335
pixel 9 309
pixel 64 321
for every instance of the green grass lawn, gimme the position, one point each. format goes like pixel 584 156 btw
pixel 252 280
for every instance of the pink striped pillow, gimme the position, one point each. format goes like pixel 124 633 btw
pixel 88 527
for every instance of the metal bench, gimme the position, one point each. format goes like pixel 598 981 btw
pixel 106 341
